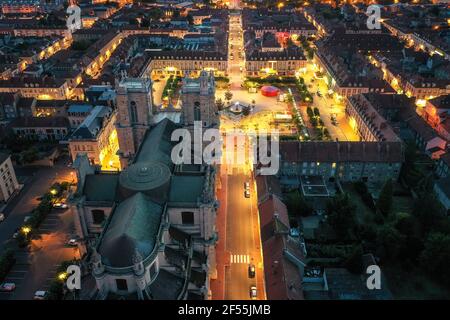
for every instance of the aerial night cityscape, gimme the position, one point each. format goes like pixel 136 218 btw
pixel 224 150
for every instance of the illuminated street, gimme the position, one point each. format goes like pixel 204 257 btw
pixel 242 247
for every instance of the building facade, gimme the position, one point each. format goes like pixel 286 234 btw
pixel 8 179
pixel 198 101
pixel 134 106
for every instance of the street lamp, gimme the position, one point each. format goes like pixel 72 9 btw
pixel 62 276
pixel 53 191
pixel 26 230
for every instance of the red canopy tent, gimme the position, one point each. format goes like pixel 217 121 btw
pixel 270 91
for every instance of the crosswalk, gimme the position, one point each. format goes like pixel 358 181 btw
pixel 240 258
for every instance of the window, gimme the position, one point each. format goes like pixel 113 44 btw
pixel 98 216
pixel 187 217
pixel 153 271
pixel 197 111
pixel 121 284
pixel 133 112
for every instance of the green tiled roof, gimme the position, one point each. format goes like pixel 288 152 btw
pixel 100 187
pixel 134 226
pixel 157 146
pixel 186 189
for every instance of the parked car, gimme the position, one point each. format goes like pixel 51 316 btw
pixel 2 217
pixel 73 242
pixel 7 286
pixel 40 295
pixel 251 270
pixel 246 185
pixel 247 193
pixel 60 205
pixel 253 292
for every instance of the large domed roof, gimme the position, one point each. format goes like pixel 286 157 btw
pixel 145 176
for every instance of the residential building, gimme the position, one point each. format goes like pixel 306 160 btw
pixel 41 128
pixel 372 162
pixel 8 180
pixel 96 137
pixel 442 191
pixel 282 253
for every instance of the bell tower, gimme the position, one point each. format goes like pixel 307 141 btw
pixel 134 105
pixel 198 101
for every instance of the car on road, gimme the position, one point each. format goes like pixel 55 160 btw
pixel 246 185
pixel 72 242
pixel 40 295
pixel 253 292
pixel 251 270
pixel 7 286
pixel 60 205
pixel 2 217
pixel 247 193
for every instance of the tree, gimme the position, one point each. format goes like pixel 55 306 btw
pixel 354 262
pixel 389 241
pixel 220 104
pixel 190 19
pixel 316 112
pixel 297 204
pixel 56 290
pixel 435 257
pixel 341 215
pixel 428 211
pixel 384 203
pixel 245 110
pixel 228 96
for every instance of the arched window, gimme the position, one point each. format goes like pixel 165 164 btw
pixel 98 216
pixel 197 111
pixel 133 112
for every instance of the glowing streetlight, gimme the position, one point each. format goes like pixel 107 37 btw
pixel 53 191
pixel 26 230
pixel 62 276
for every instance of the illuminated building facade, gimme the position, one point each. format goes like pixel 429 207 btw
pixel 96 136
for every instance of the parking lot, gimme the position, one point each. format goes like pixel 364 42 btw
pixel 36 265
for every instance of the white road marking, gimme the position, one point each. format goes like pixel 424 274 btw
pixel 240 258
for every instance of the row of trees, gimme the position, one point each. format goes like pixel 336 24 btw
pixel 304 93
pixel 41 211
pixel 7 260
pixel 317 123
pixel 170 87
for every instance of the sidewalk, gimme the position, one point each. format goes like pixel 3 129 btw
pixel 222 257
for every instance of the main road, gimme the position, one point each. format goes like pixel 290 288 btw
pixel 238 219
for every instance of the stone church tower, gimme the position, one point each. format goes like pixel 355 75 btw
pixel 134 105
pixel 198 101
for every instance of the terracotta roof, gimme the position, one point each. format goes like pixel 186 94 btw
pixel 282 255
